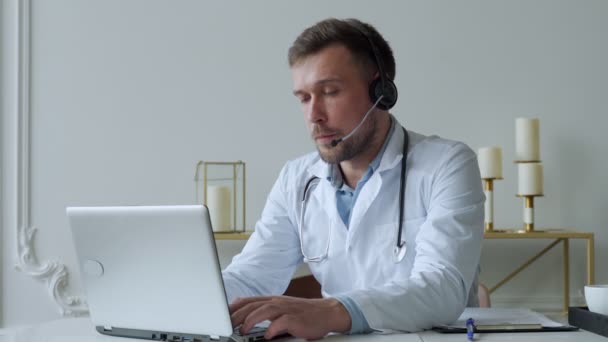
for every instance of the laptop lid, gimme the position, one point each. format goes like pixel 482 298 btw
pixel 151 268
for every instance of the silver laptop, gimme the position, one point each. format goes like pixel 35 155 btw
pixel 152 272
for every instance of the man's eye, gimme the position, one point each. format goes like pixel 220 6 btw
pixel 304 99
pixel 330 92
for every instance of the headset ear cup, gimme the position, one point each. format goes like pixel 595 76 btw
pixel 390 93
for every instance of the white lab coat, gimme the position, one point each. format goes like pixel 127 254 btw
pixel 443 231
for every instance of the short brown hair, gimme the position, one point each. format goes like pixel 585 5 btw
pixel 353 34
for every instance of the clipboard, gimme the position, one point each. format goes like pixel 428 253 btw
pixel 503 320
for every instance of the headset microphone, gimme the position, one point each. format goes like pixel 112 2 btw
pixel 335 142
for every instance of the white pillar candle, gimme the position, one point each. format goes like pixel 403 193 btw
pixel 527 146
pixel 530 179
pixel 218 202
pixel 490 162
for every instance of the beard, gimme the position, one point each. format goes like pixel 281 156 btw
pixel 351 147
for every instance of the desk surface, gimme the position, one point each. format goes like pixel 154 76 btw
pixel 81 330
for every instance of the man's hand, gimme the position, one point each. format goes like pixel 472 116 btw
pixel 305 318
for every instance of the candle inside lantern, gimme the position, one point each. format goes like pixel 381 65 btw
pixel 218 202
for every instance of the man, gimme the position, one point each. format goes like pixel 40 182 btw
pixel 384 262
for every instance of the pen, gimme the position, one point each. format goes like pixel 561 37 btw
pixel 470 329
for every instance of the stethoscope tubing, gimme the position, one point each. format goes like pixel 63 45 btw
pixel 399 250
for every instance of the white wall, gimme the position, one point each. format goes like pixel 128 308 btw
pixel 127 95
pixel 2 110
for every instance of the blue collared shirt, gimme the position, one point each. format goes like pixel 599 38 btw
pixel 345 201
pixel 347 196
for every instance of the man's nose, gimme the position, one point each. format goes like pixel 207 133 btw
pixel 316 111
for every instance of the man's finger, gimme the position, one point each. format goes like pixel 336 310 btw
pixel 237 317
pixel 294 326
pixel 278 327
pixel 267 311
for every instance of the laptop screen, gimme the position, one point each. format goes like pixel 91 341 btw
pixel 152 268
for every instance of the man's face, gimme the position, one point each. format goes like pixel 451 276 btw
pixel 334 96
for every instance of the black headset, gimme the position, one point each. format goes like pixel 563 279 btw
pixel 382 86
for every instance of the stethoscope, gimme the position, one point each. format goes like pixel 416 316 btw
pixel 400 247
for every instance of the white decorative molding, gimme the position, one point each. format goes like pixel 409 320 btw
pixel 53 273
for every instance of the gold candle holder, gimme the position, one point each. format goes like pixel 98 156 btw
pixel 528 213
pixel 532 187
pixel 488 189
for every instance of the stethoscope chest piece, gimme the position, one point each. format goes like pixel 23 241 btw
pixel 399 253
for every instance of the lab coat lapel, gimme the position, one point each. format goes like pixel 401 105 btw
pixel 391 159
pixel 325 194
pixel 364 201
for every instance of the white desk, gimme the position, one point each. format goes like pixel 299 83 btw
pixel 579 336
pixel 81 330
